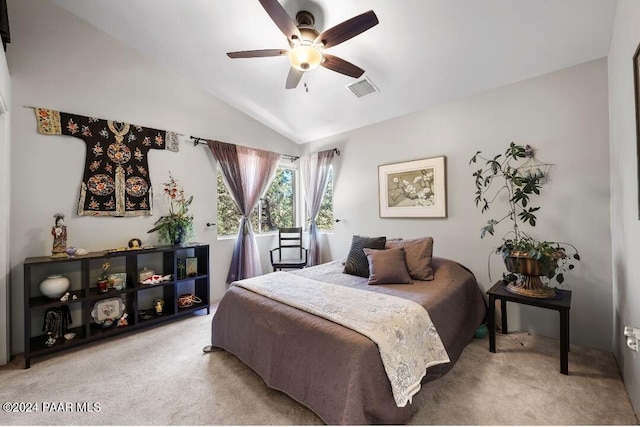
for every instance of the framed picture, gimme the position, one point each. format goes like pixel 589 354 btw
pixel 117 281
pixel 413 189
pixel 192 267
pixel 636 92
pixel 182 268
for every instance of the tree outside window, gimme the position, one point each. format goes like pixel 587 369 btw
pixel 276 209
pixel 325 216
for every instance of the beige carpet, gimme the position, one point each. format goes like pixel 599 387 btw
pixel 160 376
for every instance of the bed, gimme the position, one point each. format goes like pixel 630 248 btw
pixel 333 370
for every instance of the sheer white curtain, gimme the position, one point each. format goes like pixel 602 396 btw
pixel 247 173
pixel 315 170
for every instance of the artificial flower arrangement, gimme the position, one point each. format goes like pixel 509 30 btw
pixel 104 274
pixel 103 277
pixel 176 227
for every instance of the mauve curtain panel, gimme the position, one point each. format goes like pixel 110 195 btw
pixel 315 170
pixel 247 173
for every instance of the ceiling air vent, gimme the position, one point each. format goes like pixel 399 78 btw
pixel 363 87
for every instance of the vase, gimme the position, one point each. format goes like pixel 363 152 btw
pixel 179 235
pixel 54 286
pixel 102 285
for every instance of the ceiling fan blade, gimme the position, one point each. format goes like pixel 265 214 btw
pixel 293 78
pixel 348 29
pixel 282 19
pixel 257 53
pixel 339 65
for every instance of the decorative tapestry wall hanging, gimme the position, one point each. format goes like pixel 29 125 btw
pixel 116 173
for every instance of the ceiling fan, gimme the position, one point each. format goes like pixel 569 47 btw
pixel 308 44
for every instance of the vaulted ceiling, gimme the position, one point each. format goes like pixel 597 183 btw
pixel 422 53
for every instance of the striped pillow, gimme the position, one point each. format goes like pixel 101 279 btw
pixel 357 263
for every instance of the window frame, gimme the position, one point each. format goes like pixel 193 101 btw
pixel 298 203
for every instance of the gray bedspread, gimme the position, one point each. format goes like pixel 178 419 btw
pixel 334 371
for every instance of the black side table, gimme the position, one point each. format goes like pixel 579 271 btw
pixel 562 303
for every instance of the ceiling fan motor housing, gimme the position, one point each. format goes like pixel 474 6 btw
pixel 305 21
pixel 305 18
pixel 304 54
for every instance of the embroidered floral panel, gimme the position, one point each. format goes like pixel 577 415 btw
pixel 116 178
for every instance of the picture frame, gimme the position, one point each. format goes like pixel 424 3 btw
pixel 636 91
pixel 117 281
pixel 413 189
pixel 182 268
pixel 192 266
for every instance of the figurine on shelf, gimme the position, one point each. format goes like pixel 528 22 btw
pixel 59 233
pixel 135 243
pixel 65 297
pixel 122 321
pixel 158 305
pixel 55 323
pixel 156 278
pixel 50 340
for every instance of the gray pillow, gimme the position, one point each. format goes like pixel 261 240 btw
pixel 356 262
pixel 418 253
pixel 387 266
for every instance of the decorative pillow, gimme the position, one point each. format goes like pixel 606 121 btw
pixel 393 239
pixel 387 266
pixel 356 262
pixel 418 254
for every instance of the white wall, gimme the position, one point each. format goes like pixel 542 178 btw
pixel 564 116
pixel 5 194
pixel 58 61
pixel 625 225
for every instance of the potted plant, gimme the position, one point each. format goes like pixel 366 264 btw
pixel 176 227
pixel 103 277
pixel 532 263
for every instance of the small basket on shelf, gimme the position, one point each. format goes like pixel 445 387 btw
pixel 188 300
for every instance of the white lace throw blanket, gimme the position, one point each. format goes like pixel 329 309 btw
pixel 407 339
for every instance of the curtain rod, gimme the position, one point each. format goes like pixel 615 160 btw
pixel 200 141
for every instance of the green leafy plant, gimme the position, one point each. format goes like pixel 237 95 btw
pixel 498 175
pixel 177 226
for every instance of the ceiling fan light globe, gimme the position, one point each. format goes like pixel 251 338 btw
pixel 305 58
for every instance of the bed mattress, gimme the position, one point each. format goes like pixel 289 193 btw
pixel 335 371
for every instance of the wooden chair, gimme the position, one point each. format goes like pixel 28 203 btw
pixel 289 246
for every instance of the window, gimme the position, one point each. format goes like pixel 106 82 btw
pixel 275 209
pixel 325 216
